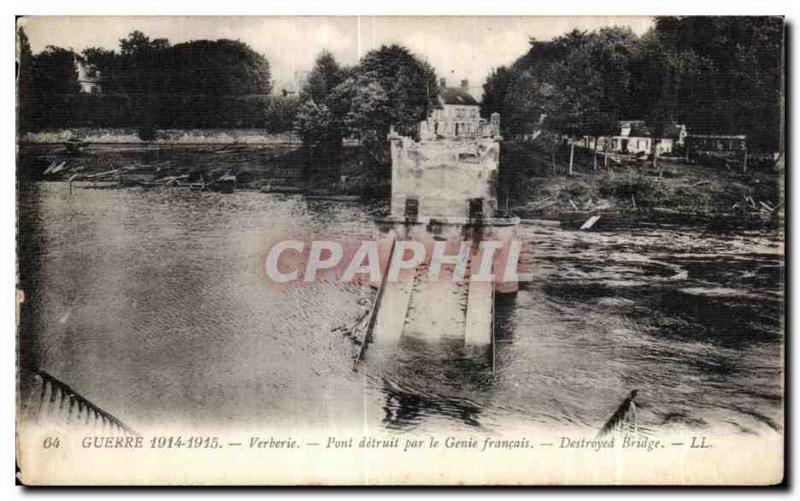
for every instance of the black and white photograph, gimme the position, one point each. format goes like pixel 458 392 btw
pixel 365 250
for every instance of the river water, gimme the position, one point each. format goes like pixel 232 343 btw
pixel 151 304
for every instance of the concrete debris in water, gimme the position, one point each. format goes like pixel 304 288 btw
pixel 589 223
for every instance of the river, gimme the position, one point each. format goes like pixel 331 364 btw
pixel 151 304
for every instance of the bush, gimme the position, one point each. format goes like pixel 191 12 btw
pixel 643 189
pixel 169 111
pixel 577 189
pixel 281 113
pixel 687 197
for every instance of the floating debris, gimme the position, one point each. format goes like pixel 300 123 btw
pixel 623 420
pixel 589 223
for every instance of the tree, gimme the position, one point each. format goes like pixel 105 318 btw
pixel 281 113
pixel 369 109
pixel 716 75
pixel 24 63
pixel 53 87
pixel 216 68
pixel 611 50
pixel 136 75
pixel 149 83
pixel 202 83
pixel 526 104
pixel 54 72
pixel 313 123
pixel 136 44
pixel 321 134
pixel 320 121
pixel 390 87
pixel 102 59
pixel 406 85
pixel 495 93
pixel 530 90
pixel 720 75
pixel 576 84
pixel 324 77
pixel 575 108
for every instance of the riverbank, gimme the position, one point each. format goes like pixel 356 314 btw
pixel 531 188
pixel 281 167
pixel 106 136
pixel 672 190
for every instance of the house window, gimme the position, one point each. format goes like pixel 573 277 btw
pixel 475 208
pixel 471 158
pixel 412 208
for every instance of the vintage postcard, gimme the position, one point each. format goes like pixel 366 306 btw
pixel 365 250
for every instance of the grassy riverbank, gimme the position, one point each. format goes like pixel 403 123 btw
pixel 536 189
pixel 270 168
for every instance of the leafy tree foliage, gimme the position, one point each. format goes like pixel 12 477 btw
pixel 51 75
pixel 574 84
pixel 24 62
pixel 402 85
pixel 281 113
pixel 496 92
pixel 53 72
pixel 320 120
pixel 151 83
pixel 324 77
pixel 315 125
pixel 389 87
pixel 717 75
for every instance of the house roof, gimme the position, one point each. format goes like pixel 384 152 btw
pixel 639 128
pixel 672 130
pixel 455 95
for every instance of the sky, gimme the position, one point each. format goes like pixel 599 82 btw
pixel 457 47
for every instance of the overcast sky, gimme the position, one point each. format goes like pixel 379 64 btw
pixel 457 47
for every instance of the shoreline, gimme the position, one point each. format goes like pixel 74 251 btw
pixel 129 136
pixel 687 194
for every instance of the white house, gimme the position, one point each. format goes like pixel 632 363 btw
pixel 88 77
pixel 635 138
pixel 456 114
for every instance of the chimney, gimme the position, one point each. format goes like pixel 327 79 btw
pixel 442 82
pixel 465 85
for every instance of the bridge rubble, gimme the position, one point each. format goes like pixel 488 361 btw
pixel 444 189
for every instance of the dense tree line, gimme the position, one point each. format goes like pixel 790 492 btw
pixel 716 75
pixel 151 84
pixel 719 75
pixel 148 84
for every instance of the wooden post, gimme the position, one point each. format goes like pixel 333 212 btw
pixel 553 157
pixel 744 165
pixel 571 155
pixel 594 150
pixel 655 153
